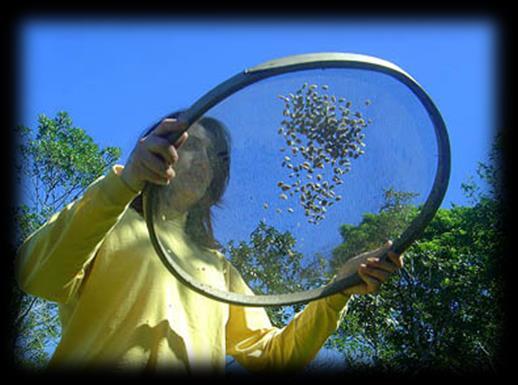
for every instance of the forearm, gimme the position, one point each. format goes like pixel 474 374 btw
pixel 301 340
pixel 297 344
pixel 50 263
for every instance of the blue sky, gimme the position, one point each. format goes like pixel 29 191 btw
pixel 116 78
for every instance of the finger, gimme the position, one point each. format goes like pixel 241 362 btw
pixel 383 249
pixel 169 126
pixel 163 148
pixel 181 140
pixel 383 265
pixel 387 245
pixel 396 259
pixel 378 274
pixel 154 163
pixel 372 283
pixel 374 252
pixel 154 177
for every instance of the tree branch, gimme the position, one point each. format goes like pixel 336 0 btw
pixel 21 317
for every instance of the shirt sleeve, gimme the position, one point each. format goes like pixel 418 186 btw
pixel 259 346
pixel 52 260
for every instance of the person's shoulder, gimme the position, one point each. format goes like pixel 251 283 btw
pixel 225 263
pixel 219 256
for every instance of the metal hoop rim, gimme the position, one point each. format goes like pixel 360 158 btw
pixel 291 64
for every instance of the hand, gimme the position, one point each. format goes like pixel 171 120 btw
pixel 153 157
pixel 371 269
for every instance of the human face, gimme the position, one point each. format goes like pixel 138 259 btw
pixel 193 170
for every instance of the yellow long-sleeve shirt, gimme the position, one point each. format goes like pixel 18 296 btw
pixel 120 308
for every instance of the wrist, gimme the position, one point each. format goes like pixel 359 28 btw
pixel 130 181
pixel 339 300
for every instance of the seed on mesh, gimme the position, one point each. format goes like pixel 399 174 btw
pixel 265 205
pixel 319 130
pixel 290 210
pixel 283 196
pixel 278 211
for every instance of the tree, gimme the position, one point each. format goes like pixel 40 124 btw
pixel 56 163
pixel 443 310
pixel 270 264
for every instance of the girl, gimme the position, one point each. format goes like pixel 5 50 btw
pixel 119 306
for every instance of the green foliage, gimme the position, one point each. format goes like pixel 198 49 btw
pixel 443 310
pixel 56 163
pixel 375 229
pixel 270 264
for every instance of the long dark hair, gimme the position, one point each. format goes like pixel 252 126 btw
pixel 199 218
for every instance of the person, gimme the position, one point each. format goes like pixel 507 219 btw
pixel 119 307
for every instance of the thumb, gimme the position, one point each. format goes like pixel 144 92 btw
pixel 381 250
pixel 168 126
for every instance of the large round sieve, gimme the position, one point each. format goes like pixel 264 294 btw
pixel 300 125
